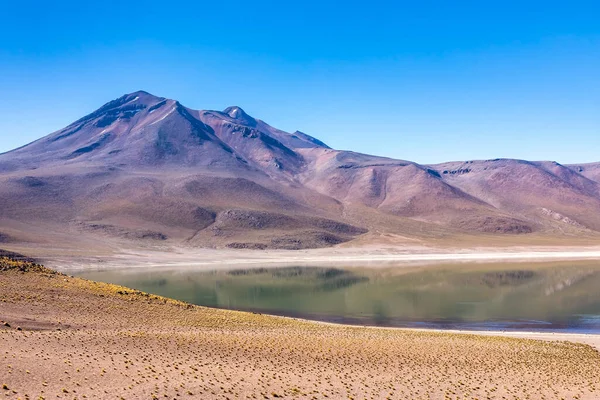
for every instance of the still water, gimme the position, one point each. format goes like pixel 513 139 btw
pixel 520 296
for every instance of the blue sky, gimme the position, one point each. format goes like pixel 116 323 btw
pixel 426 81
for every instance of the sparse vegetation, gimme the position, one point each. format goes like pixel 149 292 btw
pixel 117 342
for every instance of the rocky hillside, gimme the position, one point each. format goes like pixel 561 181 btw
pixel 145 170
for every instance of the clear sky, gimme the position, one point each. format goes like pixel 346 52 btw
pixel 427 81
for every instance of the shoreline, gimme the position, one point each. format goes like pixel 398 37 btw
pixel 589 338
pixel 204 259
pixel 211 259
pixel 592 339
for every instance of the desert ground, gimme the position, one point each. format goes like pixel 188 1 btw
pixel 65 337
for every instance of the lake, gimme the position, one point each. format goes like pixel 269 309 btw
pixel 556 296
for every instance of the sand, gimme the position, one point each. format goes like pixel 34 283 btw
pixel 81 339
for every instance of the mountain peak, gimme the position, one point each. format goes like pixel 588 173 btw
pixel 139 92
pixel 236 112
pixel 143 96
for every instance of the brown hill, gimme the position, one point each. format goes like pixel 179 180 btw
pixel 145 170
pixel 552 195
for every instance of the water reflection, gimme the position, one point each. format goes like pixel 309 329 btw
pixel 545 296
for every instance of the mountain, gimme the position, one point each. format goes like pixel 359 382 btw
pixel 147 171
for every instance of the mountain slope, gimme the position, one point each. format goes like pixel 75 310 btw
pixel 146 170
pixel 543 191
pixel 136 130
pixel 590 171
pixel 406 189
pixel 147 167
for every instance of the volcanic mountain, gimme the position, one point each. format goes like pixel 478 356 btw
pixel 146 170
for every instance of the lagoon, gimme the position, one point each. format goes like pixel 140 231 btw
pixel 543 296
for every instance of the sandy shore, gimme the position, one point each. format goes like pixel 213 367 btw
pixel 176 258
pixel 70 338
pixel 590 339
pixel 374 257
pixel 584 338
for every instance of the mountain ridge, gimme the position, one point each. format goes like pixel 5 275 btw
pixel 148 169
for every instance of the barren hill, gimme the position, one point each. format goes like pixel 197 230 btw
pixel 145 170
